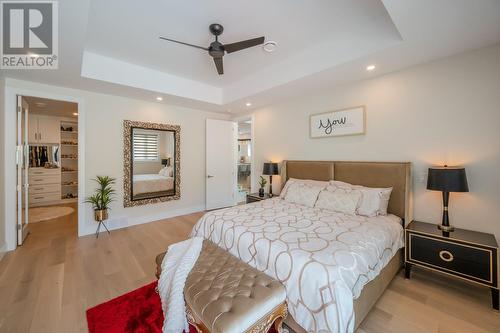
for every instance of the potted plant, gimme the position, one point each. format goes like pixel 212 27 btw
pixel 262 184
pixel 101 199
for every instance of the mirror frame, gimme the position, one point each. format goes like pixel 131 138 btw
pixel 128 125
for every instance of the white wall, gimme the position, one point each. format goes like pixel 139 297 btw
pixel 446 111
pixel 103 115
pixel 2 188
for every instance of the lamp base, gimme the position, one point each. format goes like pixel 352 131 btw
pixel 446 228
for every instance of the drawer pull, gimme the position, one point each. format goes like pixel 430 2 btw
pixel 446 256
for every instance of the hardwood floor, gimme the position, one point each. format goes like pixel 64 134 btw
pixel 47 284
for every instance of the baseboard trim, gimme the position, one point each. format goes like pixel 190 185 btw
pixel 120 222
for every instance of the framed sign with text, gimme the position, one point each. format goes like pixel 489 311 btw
pixel 349 121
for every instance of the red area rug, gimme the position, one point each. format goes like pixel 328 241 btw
pixel 138 311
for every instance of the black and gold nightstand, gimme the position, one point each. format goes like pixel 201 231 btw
pixel 465 254
pixel 253 197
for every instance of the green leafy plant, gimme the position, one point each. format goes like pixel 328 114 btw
pixel 104 194
pixel 262 182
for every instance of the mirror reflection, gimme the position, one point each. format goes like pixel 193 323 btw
pixel 153 163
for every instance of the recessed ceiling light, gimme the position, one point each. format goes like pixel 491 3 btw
pixel 159 98
pixel 370 68
pixel 248 104
pixel 270 46
pixel 75 113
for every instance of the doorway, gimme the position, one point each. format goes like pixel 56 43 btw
pixel 47 165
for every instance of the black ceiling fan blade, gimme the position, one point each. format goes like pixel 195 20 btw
pixel 176 41
pixel 219 65
pixel 245 44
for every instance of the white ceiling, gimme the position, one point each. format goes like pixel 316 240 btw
pixel 295 25
pixel 112 46
pixel 51 107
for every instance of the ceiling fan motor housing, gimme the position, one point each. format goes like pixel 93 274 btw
pixel 216 50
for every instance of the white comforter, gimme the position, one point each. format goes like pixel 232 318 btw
pixel 150 183
pixel 323 258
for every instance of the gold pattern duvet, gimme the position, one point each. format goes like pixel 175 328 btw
pixel 323 258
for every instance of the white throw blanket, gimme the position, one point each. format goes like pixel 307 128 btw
pixel 176 265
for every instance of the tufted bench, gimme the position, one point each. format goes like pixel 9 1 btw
pixel 225 295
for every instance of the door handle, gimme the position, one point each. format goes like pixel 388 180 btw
pixel 210 176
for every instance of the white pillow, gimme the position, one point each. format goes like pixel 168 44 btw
pixel 339 201
pixel 303 193
pixel 167 172
pixel 290 181
pixel 374 201
pixel 163 172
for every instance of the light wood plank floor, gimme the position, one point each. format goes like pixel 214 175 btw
pixel 47 284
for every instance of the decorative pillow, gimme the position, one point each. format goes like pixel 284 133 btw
pixel 374 201
pixel 167 172
pixel 163 172
pixel 303 193
pixel 339 200
pixel 290 181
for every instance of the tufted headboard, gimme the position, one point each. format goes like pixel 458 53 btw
pixel 372 174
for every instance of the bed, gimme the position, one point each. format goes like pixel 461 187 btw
pixel 152 183
pixel 334 267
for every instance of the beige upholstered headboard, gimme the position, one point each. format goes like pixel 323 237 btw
pixel 372 174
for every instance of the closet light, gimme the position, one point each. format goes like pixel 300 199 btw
pixel 248 104
pixel 370 68
pixel 159 98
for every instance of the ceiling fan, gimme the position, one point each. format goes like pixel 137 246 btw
pixel 217 50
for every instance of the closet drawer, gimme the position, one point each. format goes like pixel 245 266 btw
pixel 43 172
pixel 37 180
pixel 44 188
pixel 45 197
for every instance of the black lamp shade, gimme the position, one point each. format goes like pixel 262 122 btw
pixel 447 179
pixel 270 169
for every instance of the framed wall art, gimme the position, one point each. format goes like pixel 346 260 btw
pixel 350 121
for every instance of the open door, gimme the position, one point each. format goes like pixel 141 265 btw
pixel 22 160
pixel 221 150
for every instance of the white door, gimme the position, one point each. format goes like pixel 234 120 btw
pixel 221 156
pixel 22 170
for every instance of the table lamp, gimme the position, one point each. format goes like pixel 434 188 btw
pixel 447 179
pixel 270 169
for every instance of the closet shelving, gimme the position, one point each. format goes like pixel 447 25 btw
pixel 69 161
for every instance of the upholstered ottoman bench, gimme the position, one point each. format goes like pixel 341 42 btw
pixel 225 295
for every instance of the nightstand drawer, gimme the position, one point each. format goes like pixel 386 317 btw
pixel 462 260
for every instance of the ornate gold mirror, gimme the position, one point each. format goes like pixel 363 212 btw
pixel 151 163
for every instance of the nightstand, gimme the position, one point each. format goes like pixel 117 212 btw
pixel 253 197
pixel 465 254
